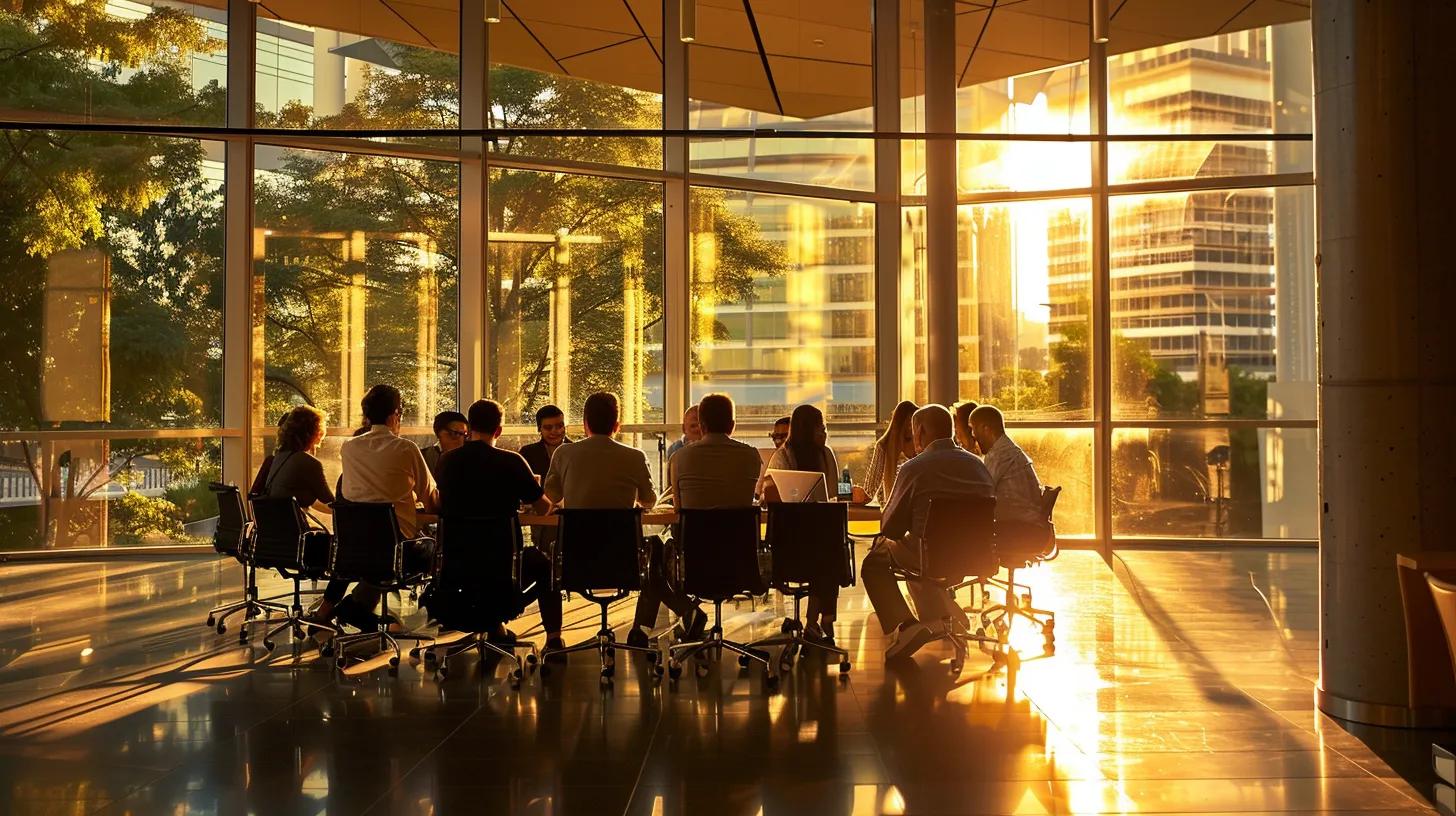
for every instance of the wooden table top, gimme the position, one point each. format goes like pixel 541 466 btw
pixel 663 516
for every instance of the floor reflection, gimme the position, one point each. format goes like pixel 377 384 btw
pixel 1181 683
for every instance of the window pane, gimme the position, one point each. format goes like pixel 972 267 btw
pixel 63 493
pixel 1163 161
pixel 1215 482
pixel 114 61
pixel 356 263
pixel 376 71
pixel 783 303
pixel 578 65
pixel 1063 457
pixel 807 69
pixel 1213 304
pixel 1254 81
pixel 113 288
pixel 1024 279
pixel 575 293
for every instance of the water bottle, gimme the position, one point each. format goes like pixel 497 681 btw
pixel 846 488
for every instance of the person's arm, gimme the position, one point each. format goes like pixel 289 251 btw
pixel 895 521
pixel 528 492
pixel 319 486
pixel 425 489
pixel 766 486
pixel 646 495
pixel 669 487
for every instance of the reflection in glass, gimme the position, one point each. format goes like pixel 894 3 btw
pixel 113 289
pixel 1063 457
pixel 1024 278
pixel 113 61
pixel 309 76
pixel 783 303
pixel 355 277
pixel 1210 307
pixel 1214 482
pixel 63 493
pixel 574 290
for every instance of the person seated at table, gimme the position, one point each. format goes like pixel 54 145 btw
pixel 450 433
pixel 692 431
pixel 963 435
pixel 780 433
pixel 257 487
pixel 379 466
pixel 715 471
pixel 551 425
pixel 1016 486
pixel 806 449
pixel 295 470
pixel 479 480
pixel 941 469
pixel 893 447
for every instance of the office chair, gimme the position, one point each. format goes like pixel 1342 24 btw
pixel 234 538
pixel 370 548
pixel 810 545
pixel 1021 546
pixel 716 558
pixel 283 541
pixel 958 543
pixel 477 586
pixel 601 556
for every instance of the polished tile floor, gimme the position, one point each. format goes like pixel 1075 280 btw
pixel 1181 684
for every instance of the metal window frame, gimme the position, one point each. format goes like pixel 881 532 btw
pixel 238 434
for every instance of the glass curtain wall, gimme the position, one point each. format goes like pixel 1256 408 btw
pixel 1161 370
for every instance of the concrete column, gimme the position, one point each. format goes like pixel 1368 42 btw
pixel 1383 119
pixel 942 335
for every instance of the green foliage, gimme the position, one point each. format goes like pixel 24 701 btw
pixel 134 518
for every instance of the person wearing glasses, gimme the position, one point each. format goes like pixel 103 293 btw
pixel 451 429
pixel 780 432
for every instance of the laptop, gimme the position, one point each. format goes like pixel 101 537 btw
pixel 796 485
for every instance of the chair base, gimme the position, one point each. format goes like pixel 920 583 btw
pixel 255 610
pixel 998 619
pixel 712 646
pixel 438 657
pixel 388 641
pixel 295 621
pixel 606 646
pixel 794 643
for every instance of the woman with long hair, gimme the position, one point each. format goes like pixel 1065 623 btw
pixel 893 447
pixel 806 449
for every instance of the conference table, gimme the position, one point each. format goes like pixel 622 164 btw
pixel 665 516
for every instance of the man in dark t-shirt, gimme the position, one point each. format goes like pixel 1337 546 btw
pixel 479 480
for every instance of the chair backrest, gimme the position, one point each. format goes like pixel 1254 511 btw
pixel 480 554
pixel 718 553
pixel 231 535
pixel 1444 594
pixel 960 539
pixel 1049 496
pixel 810 543
pixel 368 544
pixel 277 533
pixel 600 549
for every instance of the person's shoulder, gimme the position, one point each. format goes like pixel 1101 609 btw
pixel 506 455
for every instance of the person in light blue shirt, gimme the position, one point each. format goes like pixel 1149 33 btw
pixel 692 431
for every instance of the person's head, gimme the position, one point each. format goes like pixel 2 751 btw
pixel 807 436
pixel 451 430
pixel 931 423
pixel 551 424
pixel 715 414
pixel 963 425
pixel 301 430
pixel 602 413
pixel 897 439
pixel 987 426
pixel 484 418
pixel 780 432
pixel 692 427
pixel 382 406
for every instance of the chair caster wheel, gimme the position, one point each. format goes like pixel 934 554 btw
pixel 700 668
pixel 268 645
pixel 609 670
pixel 531 659
pixel 657 669
pixel 394 662
pixel 955 667
pixel 653 657
pixel 414 653
pixel 844 667
pixel 674 670
pixel 743 661
pixel 222 628
pixel 210 621
pixel 517 675
pixel 770 684
pixel 326 650
pixel 430 657
pixel 243 637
